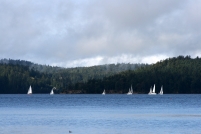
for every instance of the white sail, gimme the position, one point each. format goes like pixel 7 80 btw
pixel 161 92
pixel 131 89
pixel 52 92
pixel 30 90
pixel 152 92
pixel 153 89
pixel 129 92
pixel 103 92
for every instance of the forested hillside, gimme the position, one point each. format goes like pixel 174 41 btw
pixel 16 79
pixel 177 75
pixel 17 75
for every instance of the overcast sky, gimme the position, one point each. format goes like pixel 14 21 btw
pixel 72 33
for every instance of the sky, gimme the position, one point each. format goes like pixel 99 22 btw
pixel 74 33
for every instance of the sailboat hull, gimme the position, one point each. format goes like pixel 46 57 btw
pixel 151 93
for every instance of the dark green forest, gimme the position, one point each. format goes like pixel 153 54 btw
pixel 17 75
pixel 178 75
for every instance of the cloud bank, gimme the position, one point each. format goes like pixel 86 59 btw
pixel 91 32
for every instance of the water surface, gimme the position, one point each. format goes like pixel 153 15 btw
pixel 100 114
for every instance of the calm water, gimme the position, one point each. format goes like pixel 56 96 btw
pixel 98 114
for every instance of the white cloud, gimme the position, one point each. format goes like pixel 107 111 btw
pixel 83 33
pixel 81 62
pixel 100 60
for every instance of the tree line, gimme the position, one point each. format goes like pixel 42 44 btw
pixel 178 75
pixel 17 75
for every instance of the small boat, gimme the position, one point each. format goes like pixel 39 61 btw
pixel 52 91
pixel 161 92
pixel 30 90
pixel 103 92
pixel 130 91
pixel 152 92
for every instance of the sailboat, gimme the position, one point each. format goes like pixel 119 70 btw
pixel 152 92
pixel 130 91
pixel 30 90
pixel 103 92
pixel 161 92
pixel 52 91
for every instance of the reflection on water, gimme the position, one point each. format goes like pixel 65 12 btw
pixel 116 114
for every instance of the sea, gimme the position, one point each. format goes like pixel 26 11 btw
pixel 100 114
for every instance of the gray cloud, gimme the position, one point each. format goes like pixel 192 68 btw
pixel 83 33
